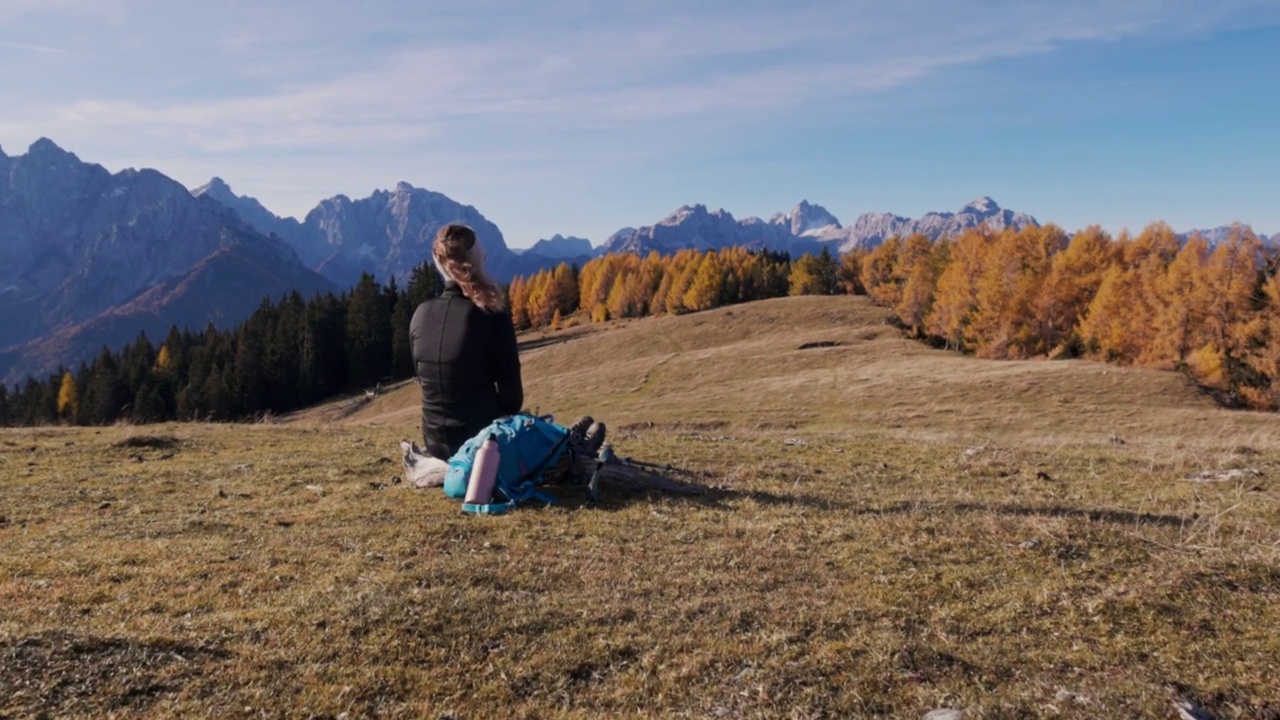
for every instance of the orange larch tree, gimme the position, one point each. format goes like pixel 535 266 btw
pixel 955 297
pixel 1233 323
pixel 1179 303
pixel 1004 322
pixel 1075 274
pixel 877 273
pixel 916 274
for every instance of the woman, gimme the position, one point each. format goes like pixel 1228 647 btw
pixel 464 348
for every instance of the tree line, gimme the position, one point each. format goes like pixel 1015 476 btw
pixel 287 355
pixel 1151 301
pixel 293 353
pixel 625 285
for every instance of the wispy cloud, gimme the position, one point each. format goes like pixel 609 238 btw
pixel 32 48
pixel 667 65
pixel 519 84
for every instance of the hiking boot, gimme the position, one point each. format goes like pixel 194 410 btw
pixel 594 437
pixel 578 431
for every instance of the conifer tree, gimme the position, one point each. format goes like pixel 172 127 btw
pixel 877 273
pixel 107 390
pixel 32 404
pixel 805 278
pixel 828 270
pixel 219 398
pixel 1075 274
pixel 148 407
pixel 401 352
pixel 708 284
pixel 849 274
pixel 1179 302
pixel 518 302
pixel 1004 324
pixel 658 302
pixel 248 373
pixel 424 283
pixel 84 376
pixel 324 358
pixel 164 360
pixel 1105 328
pixel 680 286
pixel 1232 322
pixel 68 398
pixel 564 294
pixel 1265 360
pixel 915 272
pixel 368 334
pixel 542 302
pixel 136 362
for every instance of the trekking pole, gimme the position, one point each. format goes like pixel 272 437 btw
pixel 641 463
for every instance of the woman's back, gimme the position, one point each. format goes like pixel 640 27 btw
pixel 466 362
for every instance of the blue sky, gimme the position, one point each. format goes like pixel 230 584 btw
pixel 582 117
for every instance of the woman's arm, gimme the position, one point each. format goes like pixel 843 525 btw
pixel 507 366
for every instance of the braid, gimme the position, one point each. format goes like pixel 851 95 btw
pixel 457 255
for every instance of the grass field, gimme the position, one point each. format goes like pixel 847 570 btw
pixel 890 530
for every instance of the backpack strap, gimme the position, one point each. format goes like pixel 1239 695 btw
pixel 500 508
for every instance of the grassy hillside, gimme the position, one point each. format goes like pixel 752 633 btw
pixel 744 366
pixel 892 529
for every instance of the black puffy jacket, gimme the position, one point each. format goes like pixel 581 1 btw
pixel 466 363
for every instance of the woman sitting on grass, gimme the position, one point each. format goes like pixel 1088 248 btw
pixel 464 349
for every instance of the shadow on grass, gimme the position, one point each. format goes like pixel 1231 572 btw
pixel 94 676
pixel 1124 517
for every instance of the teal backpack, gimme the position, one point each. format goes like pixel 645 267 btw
pixel 529 447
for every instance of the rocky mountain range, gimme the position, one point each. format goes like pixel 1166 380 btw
pixel 88 258
pixel 559 247
pixel 386 234
pixel 1218 235
pixel 807 228
pixel 871 229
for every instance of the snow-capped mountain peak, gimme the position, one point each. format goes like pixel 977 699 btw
pixel 982 206
pixel 808 219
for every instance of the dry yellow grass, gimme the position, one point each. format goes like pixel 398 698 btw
pixel 894 529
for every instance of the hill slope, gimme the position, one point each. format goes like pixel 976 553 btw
pixel 744 366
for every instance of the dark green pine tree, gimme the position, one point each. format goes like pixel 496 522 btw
pixel 368 334
pixel 172 366
pixel 84 378
pixel 284 353
pixel 424 283
pixel 219 397
pixel 29 403
pixel 401 353
pixel 137 363
pixel 189 403
pixel 324 361
pixel 828 269
pixel 148 406
pixel 4 404
pixel 249 370
pixel 106 397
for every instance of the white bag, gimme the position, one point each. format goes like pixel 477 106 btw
pixel 420 469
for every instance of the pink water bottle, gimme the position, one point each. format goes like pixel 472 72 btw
pixel 484 472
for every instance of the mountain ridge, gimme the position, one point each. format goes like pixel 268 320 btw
pixel 807 227
pixel 77 242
